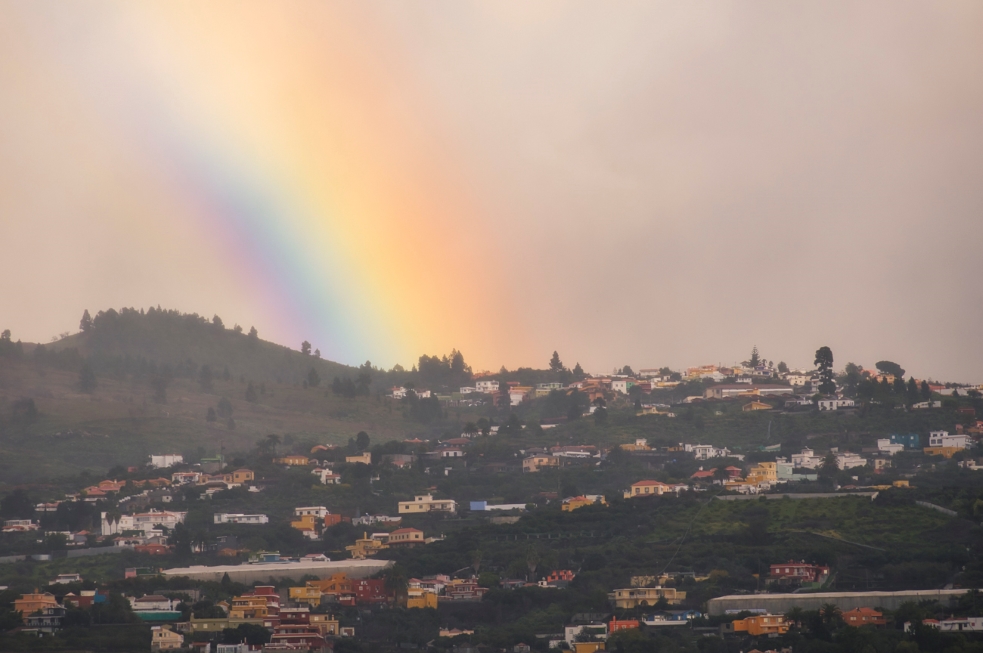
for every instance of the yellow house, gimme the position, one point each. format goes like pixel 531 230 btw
pixel 308 594
pixel 647 489
pixel 945 452
pixel 243 476
pixel 763 473
pixel 633 597
pixel 336 584
pixel 755 405
pixel 365 546
pixel 326 624
pixel 573 503
pixel 292 460
pixel 305 523
pixel 536 463
pixel 588 647
pixel 365 458
pixel 417 598
pixel 248 607
pixel 163 639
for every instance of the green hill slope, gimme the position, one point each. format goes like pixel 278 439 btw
pixel 150 396
pixel 128 340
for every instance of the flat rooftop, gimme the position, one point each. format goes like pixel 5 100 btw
pixel 249 573
pixel 781 603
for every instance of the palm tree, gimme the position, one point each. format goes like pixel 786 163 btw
pixel 830 613
pixel 795 616
pixel 396 584
pixel 476 560
pixel 532 561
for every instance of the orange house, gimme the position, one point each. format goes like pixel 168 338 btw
pixel 762 624
pixel 337 584
pixel 864 617
pixel 622 624
pixel 28 604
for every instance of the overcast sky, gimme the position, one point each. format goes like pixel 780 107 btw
pixel 642 183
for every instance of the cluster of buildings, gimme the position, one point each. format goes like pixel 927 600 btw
pixel 292 627
pixel 370 545
pixel 420 593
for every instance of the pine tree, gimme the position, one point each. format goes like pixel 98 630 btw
pixel 86 324
pixel 251 396
pixel 755 360
pixel 556 365
pixel 205 378
pixel 224 408
pixel 87 378
pixel 305 348
pixel 824 364
pixel 912 391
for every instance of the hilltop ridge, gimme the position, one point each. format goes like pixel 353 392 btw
pixel 127 339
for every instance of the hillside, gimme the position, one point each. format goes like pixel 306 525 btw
pixel 128 340
pixel 150 396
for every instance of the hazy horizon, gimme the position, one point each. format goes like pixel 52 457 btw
pixel 656 184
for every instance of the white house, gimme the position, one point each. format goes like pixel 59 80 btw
pixel 368 520
pixel 797 380
pixel 466 390
pixel 885 445
pixel 146 522
pixel 166 460
pixel 327 476
pixel 725 391
pixel 486 386
pixel 517 396
pixel 597 631
pixel 835 404
pixel 65 579
pixel 317 511
pixel 943 439
pixel 850 460
pixel 184 478
pixel 622 385
pixel 451 452
pixel 426 503
pixel 152 603
pixel 806 459
pixel 706 451
pixel 239 518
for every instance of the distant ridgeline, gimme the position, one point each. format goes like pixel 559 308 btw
pixel 177 344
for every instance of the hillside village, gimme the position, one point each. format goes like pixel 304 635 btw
pixel 525 510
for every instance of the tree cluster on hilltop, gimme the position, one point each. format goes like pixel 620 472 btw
pixel 132 341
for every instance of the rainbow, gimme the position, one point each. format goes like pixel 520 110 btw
pixel 270 133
